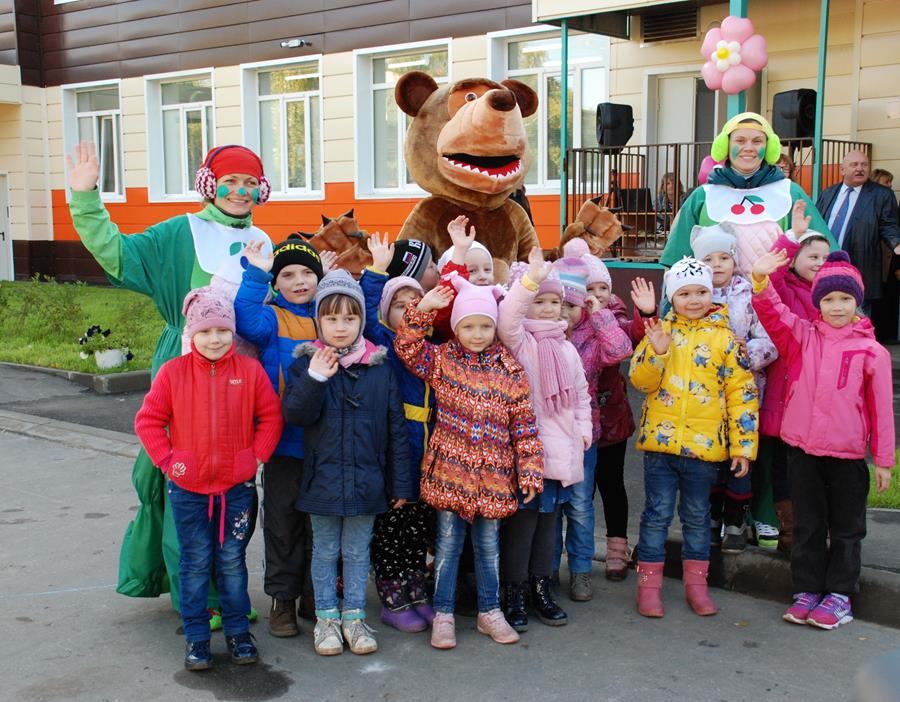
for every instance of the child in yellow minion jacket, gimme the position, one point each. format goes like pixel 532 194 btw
pixel 700 411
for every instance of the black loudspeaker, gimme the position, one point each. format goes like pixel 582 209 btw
pixel 615 124
pixel 794 114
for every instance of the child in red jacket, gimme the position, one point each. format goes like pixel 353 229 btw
pixel 223 419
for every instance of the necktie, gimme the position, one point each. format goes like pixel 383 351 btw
pixel 837 226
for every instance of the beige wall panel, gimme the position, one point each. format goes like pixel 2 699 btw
pixel 135 123
pixel 469 69
pixel 228 117
pixel 836 122
pixel 338 171
pixel 227 96
pixel 469 49
pixel 338 107
pixel 229 135
pixel 335 64
pixel 133 142
pixel 880 81
pixel 339 150
pixel 880 50
pixel 885 143
pixel 880 16
pixel 340 85
pixel 339 129
pixel 226 76
pixel 873 115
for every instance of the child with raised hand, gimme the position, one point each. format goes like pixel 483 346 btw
pixel 400 537
pixel 530 326
pixel 700 411
pixel 293 270
pixel 793 284
pixel 212 387
pixel 484 450
pixel 716 246
pixel 601 342
pixel 840 404
pixel 356 456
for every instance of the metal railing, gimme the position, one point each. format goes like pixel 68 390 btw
pixel 633 180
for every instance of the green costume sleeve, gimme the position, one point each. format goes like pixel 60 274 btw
pixel 816 222
pixel 679 242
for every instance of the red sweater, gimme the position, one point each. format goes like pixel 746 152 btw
pixel 222 416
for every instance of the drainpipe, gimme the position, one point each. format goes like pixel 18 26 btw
pixel 737 103
pixel 820 102
pixel 563 127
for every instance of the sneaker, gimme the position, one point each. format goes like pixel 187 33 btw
pixel 766 535
pixel 580 587
pixel 197 655
pixel 734 541
pixel 242 649
pixel 359 636
pixel 804 603
pixel 443 631
pixel 494 624
pixel 831 612
pixel 327 638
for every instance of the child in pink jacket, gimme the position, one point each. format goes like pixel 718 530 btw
pixel 793 284
pixel 529 325
pixel 839 403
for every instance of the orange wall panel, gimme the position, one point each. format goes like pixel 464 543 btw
pixel 280 218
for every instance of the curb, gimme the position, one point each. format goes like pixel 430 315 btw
pixel 72 435
pixel 101 383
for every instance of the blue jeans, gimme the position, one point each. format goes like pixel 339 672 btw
pixel 198 537
pixel 664 475
pixel 579 511
pixel 349 538
pixel 451 534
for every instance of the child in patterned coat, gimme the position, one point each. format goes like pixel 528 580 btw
pixel 485 445
pixel 701 409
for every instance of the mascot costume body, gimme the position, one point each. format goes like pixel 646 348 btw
pixel 466 145
pixel 757 205
pixel 166 262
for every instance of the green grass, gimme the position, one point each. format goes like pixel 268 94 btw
pixel 890 498
pixel 41 322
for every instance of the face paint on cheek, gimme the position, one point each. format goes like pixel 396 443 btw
pixel 735 150
pixel 762 152
pixel 222 191
pixel 255 194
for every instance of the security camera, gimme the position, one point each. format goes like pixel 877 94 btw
pixel 294 43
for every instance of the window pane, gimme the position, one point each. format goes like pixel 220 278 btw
pixel 98 99
pixel 547 52
pixel 387 151
pixel 107 156
pixel 86 129
pixel 294 79
pixel 315 147
pixel 296 136
pixel 172 151
pixel 593 92
pixel 532 131
pixel 389 69
pixel 270 141
pixel 193 140
pixel 185 91
pixel 554 117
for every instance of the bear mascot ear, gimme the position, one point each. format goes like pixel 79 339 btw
pixel 413 89
pixel 525 96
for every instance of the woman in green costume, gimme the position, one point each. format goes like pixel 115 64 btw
pixel 165 262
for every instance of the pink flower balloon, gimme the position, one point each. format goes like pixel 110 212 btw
pixel 733 54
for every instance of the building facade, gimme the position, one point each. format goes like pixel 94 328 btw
pixel 309 85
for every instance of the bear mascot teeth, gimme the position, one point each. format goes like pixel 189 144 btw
pixel 466 146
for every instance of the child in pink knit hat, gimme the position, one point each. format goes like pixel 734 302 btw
pixel 840 404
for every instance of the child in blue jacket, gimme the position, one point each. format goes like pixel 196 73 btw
pixel 356 456
pixel 401 537
pixel 294 270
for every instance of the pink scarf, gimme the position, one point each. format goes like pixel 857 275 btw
pixel 358 352
pixel 556 377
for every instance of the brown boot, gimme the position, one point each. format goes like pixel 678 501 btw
pixel 784 509
pixel 283 618
pixel 616 558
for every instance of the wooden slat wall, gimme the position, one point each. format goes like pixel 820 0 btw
pixel 99 39
pixel 7 33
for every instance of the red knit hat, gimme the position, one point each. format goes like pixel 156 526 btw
pixel 837 274
pixel 231 158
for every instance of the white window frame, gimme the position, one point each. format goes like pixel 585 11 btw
pixel 70 129
pixel 156 169
pixel 250 128
pixel 498 69
pixel 363 91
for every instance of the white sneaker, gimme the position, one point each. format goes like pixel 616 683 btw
pixel 359 636
pixel 327 638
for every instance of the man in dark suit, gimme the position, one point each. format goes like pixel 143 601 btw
pixel 861 214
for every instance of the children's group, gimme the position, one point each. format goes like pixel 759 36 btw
pixel 429 424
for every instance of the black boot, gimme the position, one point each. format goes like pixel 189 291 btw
pixel 513 599
pixel 542 602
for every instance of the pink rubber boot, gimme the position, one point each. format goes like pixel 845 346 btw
pixel 695 588
pixel 649 593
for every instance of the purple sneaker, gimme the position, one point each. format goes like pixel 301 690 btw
pixel 424 612
pixel 831 612
pixel 405 620
pixel 804 603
